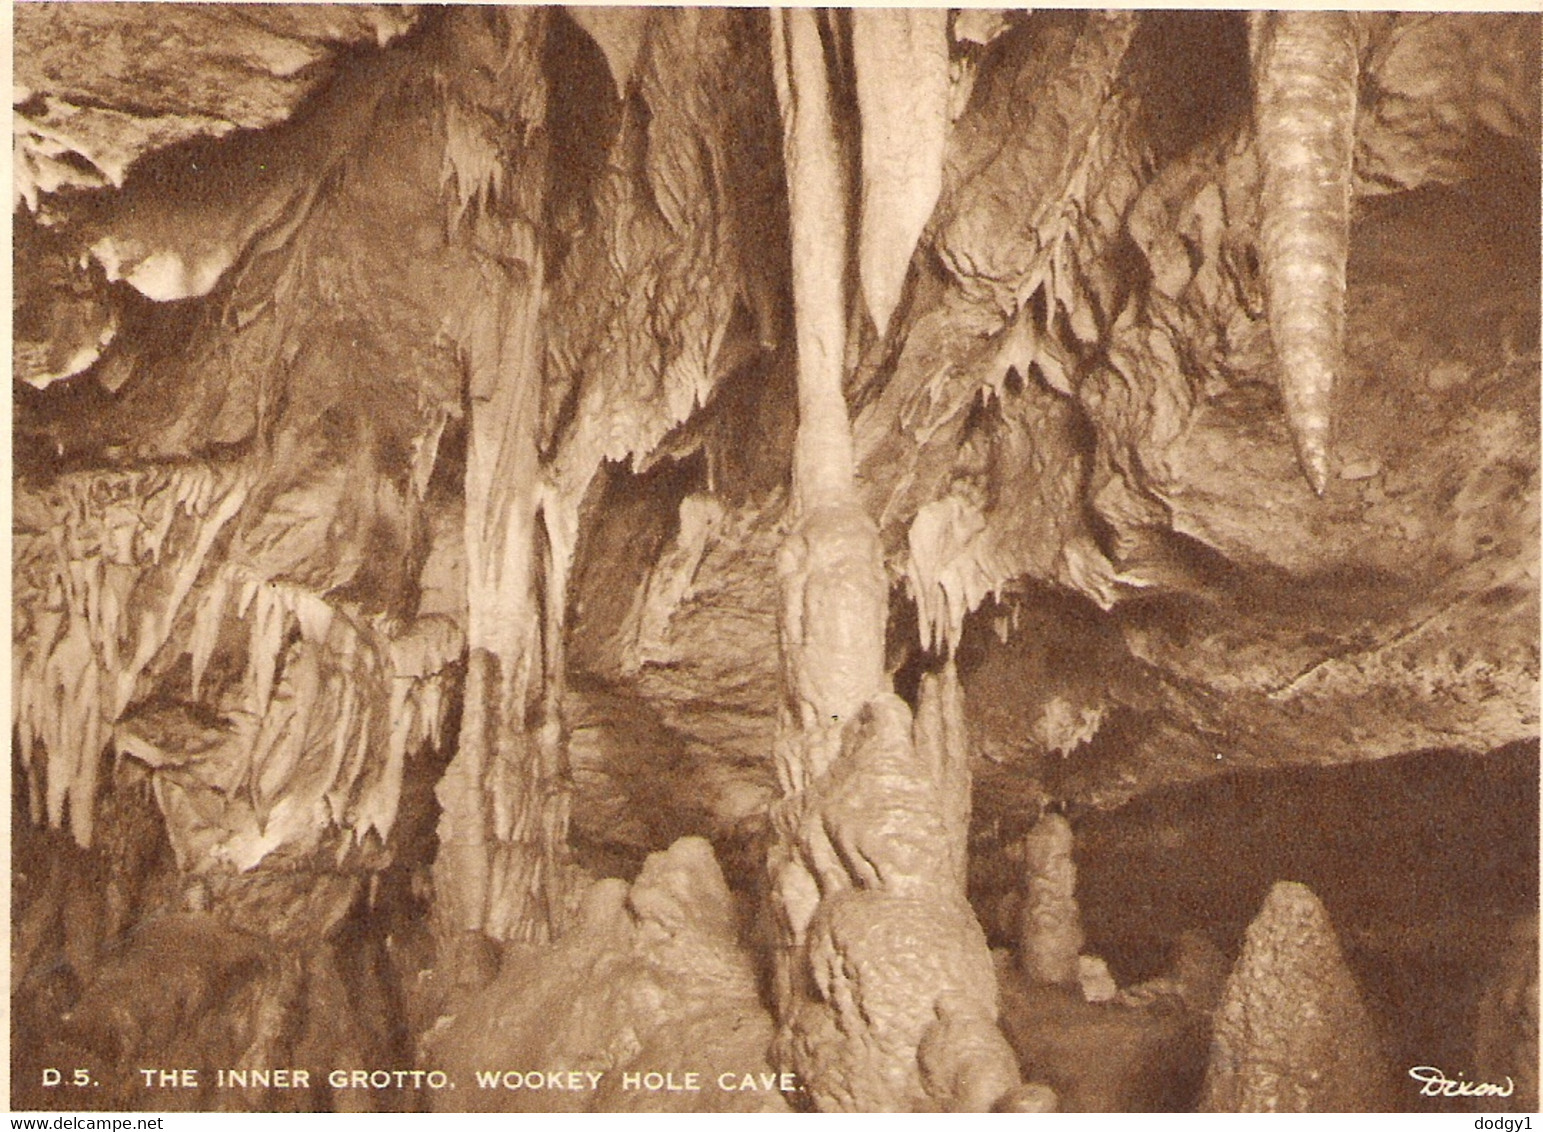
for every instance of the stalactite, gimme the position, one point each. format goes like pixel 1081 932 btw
pixel 333 701
pixel 834 590
pixel 117 573
pixel 1306 72
pixel 643 305
pixel 993 370
pixel 901 60
pixel 817 194
pixel 91 550
pixel 619 32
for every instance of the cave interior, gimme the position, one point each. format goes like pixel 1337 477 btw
pixel 915 560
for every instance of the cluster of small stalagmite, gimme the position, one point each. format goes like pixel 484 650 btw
pixel 684 512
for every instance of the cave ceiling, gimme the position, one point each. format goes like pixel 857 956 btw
pixel 259 253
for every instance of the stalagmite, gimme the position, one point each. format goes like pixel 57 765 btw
pixel 1050 927
pixel 1292 1032
pixel 965 1064
pixel 1305 80
pixel 883 984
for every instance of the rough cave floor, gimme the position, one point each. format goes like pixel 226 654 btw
pixel 1426 863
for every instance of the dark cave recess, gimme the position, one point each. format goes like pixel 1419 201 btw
pixel 1427 864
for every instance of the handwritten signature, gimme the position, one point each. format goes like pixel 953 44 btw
pixel 1435 1083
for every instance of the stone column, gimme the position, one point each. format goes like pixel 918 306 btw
pixel 885 991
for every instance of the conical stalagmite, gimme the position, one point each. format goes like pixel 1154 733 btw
pixel 1292 1033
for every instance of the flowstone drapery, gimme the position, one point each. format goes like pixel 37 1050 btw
pixel 504 816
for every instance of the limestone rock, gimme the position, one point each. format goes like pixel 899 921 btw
pixel 1093 977
pixel 1103 1056
pixel 1195 982
pixel 1027 1098
pixel 1506 1037
pixel 878 965
pixel 891 995
pixel 966 1064
pixel 100 87
pixel 63 316
pixel 1073 399
pixel 1292 1033
pixel 651 980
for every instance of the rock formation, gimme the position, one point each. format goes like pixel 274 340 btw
pixel 1050 931
pixel 463 451
pixel 879 953
pixel 652 980
pixel 893 995
pixel 1292 1032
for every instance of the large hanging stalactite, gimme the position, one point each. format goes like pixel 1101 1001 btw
pixel 903 88
pixel 1306 72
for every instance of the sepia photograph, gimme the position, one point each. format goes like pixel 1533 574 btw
pixel 742 559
